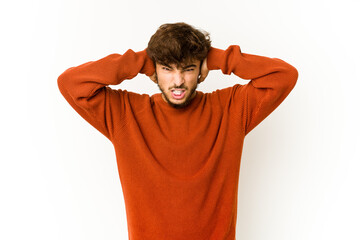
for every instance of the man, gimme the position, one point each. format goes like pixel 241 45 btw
pixel 178 152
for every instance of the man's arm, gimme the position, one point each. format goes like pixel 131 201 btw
pixel 272 80
pixel 85 87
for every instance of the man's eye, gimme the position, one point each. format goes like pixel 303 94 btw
pixel 189 69
pixel 166 68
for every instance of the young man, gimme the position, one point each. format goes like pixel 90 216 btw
pixel 178 152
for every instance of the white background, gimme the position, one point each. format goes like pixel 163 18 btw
pixel 299 175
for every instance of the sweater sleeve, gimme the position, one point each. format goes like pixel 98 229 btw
pixel 85 87
pixel 272 79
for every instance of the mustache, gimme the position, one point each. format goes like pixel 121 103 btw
pixel 182 86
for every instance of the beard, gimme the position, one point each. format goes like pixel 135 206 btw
pixel 180 105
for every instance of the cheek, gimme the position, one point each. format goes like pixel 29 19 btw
pixel 163 82
pixel 164 77
pixel 192 80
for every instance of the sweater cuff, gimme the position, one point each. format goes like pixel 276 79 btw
pixel 214 58
pixel 148 68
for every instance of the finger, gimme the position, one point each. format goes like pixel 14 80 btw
pixel 153 78
pixel 201 78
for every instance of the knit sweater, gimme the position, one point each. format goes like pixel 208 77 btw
pixel 178 168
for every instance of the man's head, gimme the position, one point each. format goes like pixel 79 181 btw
pixel 178 51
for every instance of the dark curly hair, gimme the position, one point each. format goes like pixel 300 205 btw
pixel 178 43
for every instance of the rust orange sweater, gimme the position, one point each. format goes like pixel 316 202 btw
pixel 179 168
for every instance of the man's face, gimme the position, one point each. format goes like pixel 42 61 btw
pixel 178 85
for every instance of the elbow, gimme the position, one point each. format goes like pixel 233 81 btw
pixel 63 80
pixel 293 76
pixel 61 83
pixel 289 72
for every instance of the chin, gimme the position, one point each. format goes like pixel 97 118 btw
pixel 187 99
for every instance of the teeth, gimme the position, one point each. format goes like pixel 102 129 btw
pixel 177 92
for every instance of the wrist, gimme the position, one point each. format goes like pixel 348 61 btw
pixel 148 67
pixel 214 57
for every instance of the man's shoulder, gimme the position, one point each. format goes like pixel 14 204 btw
pixel 133 98
pixel 131 94
pixel 224 91
pixel 224 96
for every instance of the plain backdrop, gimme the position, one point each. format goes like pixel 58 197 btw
pixel 299 177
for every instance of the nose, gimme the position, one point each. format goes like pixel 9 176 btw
pixel 178 78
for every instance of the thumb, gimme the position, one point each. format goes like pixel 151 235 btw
pixel 153 77
pixel 202 77
pixel 204 71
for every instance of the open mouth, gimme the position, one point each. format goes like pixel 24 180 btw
pixel 178 93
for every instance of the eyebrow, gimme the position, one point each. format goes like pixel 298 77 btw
pixel 188 66
pixel 166 65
